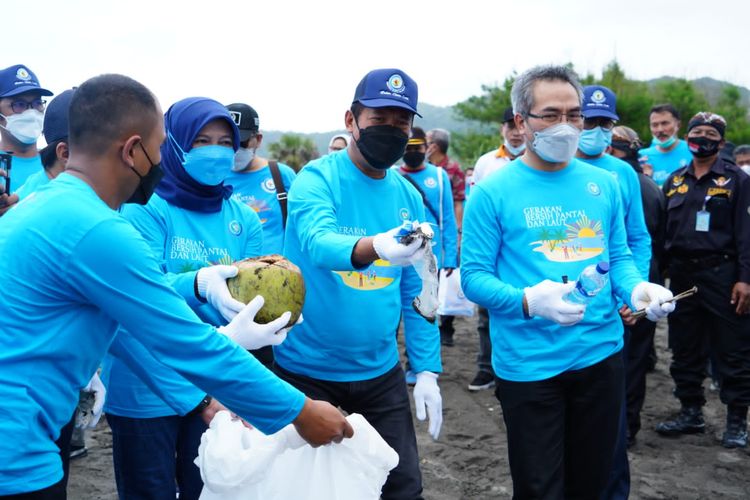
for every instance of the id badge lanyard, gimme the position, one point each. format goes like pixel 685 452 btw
pixel 703 218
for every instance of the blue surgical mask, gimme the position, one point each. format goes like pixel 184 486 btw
pixel 595 141
pixel 556 144
pixel 515 151
pixel 208 165
pixel 666 143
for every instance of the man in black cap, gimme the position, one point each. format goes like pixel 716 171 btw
pixel 21 120
pixel 708 246
pixel 347 211
pixel 55 154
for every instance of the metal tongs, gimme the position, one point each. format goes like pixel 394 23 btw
pixel 687 293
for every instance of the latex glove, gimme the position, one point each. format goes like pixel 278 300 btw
pixel 96 386
pixel 652 298
pixel 388 246
pixel 244 331
pixel 212 286
pixel 427 395
pixel 545 300
pixel 286 330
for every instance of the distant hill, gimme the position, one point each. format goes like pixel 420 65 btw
pixel 445 117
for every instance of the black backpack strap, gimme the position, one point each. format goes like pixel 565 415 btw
pixel 426 202
pixel 273 166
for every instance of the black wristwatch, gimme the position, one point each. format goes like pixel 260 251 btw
pixel 201 406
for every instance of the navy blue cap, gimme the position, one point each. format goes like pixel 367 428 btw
pixel 56 117
pixel 381 88
pixel 599 101
pixel 19 79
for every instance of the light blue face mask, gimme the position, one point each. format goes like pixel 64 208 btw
pixel 666 143
pixel 595 141
pixel 556 144
pixel 515 151
pixel 208 165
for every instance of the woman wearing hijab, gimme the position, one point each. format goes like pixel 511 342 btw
pixel 195 230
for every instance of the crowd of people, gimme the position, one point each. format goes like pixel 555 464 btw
pixel 118 237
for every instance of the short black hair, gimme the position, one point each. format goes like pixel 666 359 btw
pixel 103 107
pixel 662 108
pixel 418 133
pixel 48 154
pixel 357 108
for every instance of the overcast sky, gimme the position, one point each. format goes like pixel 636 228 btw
pixel 298 62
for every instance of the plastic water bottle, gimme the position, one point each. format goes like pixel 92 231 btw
pixel 592 279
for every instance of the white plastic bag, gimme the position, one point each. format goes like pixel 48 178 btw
pixel 451 298
pixel 238 463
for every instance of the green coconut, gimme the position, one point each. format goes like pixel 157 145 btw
pixel 277 279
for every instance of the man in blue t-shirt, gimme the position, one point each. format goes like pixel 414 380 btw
pixel 78 270
pixel 21 116
pixel 558 362
pixel 599 117
pixel 667 152
pixel 346 211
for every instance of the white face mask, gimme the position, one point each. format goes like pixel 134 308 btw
pixel 26 126
pixel 242 159
pixel 745 168
pixel 556 144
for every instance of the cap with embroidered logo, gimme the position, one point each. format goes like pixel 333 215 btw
pixel 18 79
pixel 246 119
pixel 381 88
pixel 599 101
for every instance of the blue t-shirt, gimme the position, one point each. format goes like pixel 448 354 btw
pixel 639 240
pixel 23 168
pixel 351 315
pixel 33 182
pixel 182 241
pixel 77 268
pixel 665 163
pixel 446 240
pixel 258 191
pixel 523 226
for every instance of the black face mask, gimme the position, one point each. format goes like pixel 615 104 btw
pixel 703 147
pixel 413 159
pixel 147 182
pixel 381 145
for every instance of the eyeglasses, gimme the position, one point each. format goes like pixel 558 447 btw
pixel 599 121
pixel 553 118
pixel 20 106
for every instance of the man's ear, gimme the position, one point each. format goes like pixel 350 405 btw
pixel 62 152
pixel 128 150
pixel 349 122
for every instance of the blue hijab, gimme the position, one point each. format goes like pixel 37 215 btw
pixel 182 121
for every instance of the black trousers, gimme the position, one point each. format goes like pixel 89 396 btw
pixel 54 492
pixel 562 431
pixel 384 402
pixel 639 344
pixel 706 324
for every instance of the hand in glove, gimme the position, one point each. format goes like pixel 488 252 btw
pixel 100 393
pixel 211 283
pixel 545 300
pixel 427 395
pixel 653 298
pixel 388 245
pixel 251 335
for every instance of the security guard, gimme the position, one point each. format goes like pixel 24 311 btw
pixel 708 245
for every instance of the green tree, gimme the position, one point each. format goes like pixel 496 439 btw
pixel 729 106
pixel 294 150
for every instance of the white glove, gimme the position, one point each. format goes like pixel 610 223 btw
pixel 427 395
pixel 100 393
pixel 545 300
pixel 251 335
pixel 652 298
pixel 388 245
pixel 212 286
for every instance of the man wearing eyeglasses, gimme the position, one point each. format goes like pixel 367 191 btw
pixel 21 121
pixel 558 361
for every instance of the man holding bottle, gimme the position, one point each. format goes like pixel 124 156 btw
pixel 559 364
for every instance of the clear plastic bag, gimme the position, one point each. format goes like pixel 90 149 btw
pixel 238 463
